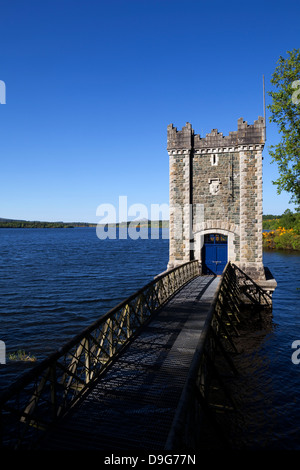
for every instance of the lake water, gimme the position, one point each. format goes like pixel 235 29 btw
pixel 267 390
pixel 55 282
pixel 274 378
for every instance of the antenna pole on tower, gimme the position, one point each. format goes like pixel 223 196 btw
pixel 264 99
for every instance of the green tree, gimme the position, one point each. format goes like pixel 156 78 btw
pixel 285 112
pixel 288 219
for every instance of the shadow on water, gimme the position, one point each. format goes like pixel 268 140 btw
pixel 266 390
pixel 250 424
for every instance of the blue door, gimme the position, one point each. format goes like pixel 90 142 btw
pixel 214 255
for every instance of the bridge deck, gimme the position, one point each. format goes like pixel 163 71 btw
pixel 133 405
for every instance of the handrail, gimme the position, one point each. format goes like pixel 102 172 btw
pixel 179 425
pixel 220 325
pixel 256 295
pixel 48 391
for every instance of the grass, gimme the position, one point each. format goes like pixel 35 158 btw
pixel 21 355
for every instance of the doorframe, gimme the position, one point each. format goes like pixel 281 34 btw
pixel 199 243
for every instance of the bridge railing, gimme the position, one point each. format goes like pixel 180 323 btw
pixel 251 290
pixel 47 392
pixel 221 327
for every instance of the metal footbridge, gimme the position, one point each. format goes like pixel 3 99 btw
pixel 140 377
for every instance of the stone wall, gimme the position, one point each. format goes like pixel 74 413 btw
pixel 216 186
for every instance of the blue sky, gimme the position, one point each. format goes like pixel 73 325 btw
pixel 92 85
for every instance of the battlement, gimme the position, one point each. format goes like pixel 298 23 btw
pixel 180 139
pixel 245 135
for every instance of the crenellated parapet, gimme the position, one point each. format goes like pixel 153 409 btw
pixel 180 139
pixel 246 134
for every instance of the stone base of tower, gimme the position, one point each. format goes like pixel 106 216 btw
pixel 254 270
pixel 260 274
pixel 268 284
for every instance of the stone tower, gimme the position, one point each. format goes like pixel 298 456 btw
pixel 216 197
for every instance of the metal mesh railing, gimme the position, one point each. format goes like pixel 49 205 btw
pixel 47 392
pixel 251 290
pixel 220 329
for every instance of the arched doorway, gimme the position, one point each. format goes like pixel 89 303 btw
pixel 214 253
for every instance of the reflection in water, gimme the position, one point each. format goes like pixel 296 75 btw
pixel 252 390
pixel 267 388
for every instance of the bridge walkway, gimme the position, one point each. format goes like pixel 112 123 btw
pixel 133 405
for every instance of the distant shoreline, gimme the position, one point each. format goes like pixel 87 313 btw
pixel 8 223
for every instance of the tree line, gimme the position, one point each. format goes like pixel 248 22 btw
pixel 288 220
pixel 28 224
pixel 282 232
